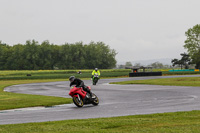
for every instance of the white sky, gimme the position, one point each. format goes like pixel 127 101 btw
pixel 136 29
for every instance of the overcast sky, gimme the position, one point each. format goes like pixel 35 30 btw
pixel 136 29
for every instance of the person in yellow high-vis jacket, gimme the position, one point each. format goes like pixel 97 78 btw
pixel 96 72
pixel 95 76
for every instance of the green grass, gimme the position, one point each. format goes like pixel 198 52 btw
pixel 59 74
pixel 186 81
pixel 64 74
pixel 12 100
pixel 164 73
pixel 179 122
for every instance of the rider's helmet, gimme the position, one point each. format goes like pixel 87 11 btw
pixel 71 78
pixel 96 69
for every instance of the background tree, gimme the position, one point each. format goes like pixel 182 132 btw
pixel 15 61
pixel 192 44
pixel 185 61
pixel 35 56
pixel 176 62
pixel 128 64
pixel 157 65
pixel 4 55
pixel 100 55
pixel 137 64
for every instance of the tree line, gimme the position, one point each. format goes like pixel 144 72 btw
pixel 46 56
pixel 156 64
pixel 192 44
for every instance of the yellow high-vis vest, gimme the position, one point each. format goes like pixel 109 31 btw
pixel 97 73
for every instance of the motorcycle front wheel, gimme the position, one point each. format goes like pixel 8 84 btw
pixel 77 102
pixel 95 81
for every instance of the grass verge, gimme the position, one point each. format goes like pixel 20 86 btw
pixel 13 100
pixel 185 81
pixel 58 74
pixel 179 122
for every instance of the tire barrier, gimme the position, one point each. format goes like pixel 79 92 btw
pixel 136 74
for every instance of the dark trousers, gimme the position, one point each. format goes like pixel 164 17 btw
pixel 85 88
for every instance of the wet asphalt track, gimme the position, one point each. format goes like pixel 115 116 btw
pixel 115 100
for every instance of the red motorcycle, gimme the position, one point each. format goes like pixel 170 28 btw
pixel 81 97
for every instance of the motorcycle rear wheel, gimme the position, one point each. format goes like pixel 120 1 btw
pixel 77 102
pixel 96 100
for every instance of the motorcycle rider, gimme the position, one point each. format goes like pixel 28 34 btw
pixel 96 72
pixel 79 83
